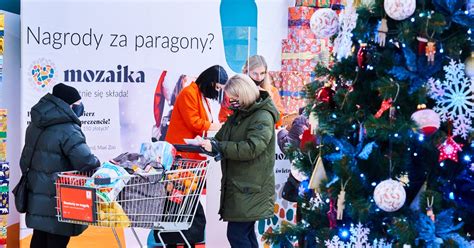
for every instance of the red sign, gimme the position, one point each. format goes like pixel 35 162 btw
pixel 77 203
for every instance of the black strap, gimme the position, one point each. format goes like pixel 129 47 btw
pixel 34 149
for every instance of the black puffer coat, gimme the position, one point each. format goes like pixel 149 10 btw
pixel 61 147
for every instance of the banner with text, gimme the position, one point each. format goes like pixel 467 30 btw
pixel 129 60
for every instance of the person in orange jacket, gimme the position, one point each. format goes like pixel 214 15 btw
pixel 192 114
pixel 256 68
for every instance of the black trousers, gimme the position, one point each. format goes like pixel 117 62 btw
pixel 42 239
pixel 242 234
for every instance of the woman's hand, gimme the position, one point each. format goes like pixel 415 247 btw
pixel 206 144
pixel 215 126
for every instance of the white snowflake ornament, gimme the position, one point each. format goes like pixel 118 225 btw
pixel 359 239
pixel 454 98
pixel 343 42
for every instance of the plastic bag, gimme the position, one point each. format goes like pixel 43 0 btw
pixel 161 151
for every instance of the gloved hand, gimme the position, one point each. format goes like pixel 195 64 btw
pixel 211 145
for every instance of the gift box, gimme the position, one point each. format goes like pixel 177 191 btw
pixel 4 199
pixel 323 3
pixel 298 23
pixel 300 33
pixel 3 150
pixel 291 85
pixel 307 3
pixel 299 16
pixel 304 54
pixel 4 182
pixel 3 123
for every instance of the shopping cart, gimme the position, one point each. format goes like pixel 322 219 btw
pixel 166 202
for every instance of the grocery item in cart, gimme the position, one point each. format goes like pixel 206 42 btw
pixel 143 200
pixel 109 180
pixel 136 163
pixel 161 151
pixel 111 214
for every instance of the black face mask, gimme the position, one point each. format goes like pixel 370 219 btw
pixel 258 83
pixel 78 109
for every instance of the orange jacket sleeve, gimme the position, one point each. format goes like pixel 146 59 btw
pixel 275 95
pixel 277 99
pixel 189 106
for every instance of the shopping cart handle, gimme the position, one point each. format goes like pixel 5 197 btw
pixel 196 149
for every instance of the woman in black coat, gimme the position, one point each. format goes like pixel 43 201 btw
pixel 54 143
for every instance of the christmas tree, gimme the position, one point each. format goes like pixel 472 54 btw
pixel 389 158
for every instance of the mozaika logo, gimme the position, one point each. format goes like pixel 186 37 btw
pixel 42 73
pixel 121 75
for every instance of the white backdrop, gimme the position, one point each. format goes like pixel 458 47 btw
pixel 95 46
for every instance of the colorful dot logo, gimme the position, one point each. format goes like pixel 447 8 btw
pixel 42 73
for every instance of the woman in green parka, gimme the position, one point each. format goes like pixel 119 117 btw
pixel 246 143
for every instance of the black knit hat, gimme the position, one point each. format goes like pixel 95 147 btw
pixel 66 93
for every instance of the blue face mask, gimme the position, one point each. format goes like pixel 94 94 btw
pixel 78 109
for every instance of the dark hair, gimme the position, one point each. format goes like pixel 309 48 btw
pixel 207 79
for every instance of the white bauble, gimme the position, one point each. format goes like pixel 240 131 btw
pixel 324 23
pixel 389 195
pixel 428 120
pixel 399 9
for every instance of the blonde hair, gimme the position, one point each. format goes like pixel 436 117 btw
pixel 242 86
pixel 254 62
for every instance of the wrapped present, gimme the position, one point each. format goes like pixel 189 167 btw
pixel 291 85
pixel 3 229
pixel 4 173
pixel 4 199
pixel 339 5
pixel 323 3
pixel 3 150
pixel 305 54
pixel 4 187
pixel 298 23
pixel 300 33
pixel 307 3
pixel 299 16
pixel 3 123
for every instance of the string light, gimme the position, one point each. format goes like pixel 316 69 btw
pixel 441 164
pixel 412 19
pixel 415 154
pixel 459 219
pixel 344 234
pixel 395 135
pixel 421 137
pixel 361 175
pixel 467 158
pixel 451 195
